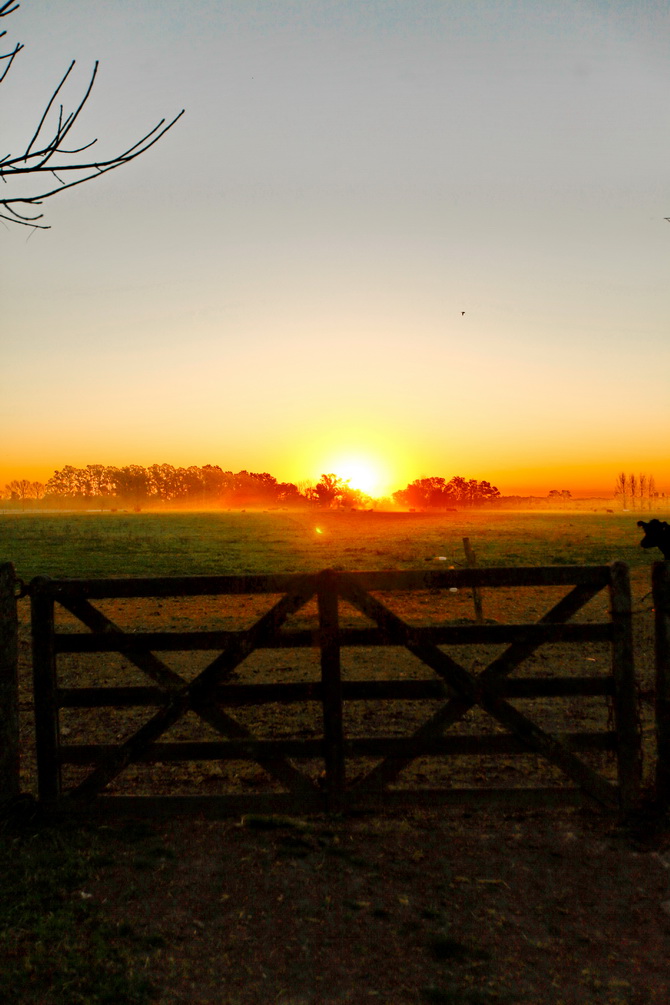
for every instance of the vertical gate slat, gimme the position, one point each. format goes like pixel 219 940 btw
pixel 625 696
pixel 9 685
pixel 332 691
pixel 44 686
pixel 476 590
pixel 661 593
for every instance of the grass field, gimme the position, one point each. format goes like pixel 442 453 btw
pixel 148 544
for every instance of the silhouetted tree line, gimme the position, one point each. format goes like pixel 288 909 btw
pixel 164 483
pixel 202 487
pixel 635 491
pixel 24 489
pixel 437 493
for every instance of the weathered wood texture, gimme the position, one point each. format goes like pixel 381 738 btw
pixel 9 685
pixel 236 695
pixel 626 715
pixel 45 689
pixel 212 695
pixel 331 683
pixel 116 640
pixel 191 586
pixel 661 594
pixel 476 592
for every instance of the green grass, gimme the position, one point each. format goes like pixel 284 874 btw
pixel 167 544
pixel 55 945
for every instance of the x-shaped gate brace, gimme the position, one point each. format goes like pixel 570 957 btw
pixel 196 695
pixel 483 690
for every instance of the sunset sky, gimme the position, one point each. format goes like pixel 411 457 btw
pixel 279 284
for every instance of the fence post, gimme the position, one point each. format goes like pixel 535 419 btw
pixel 9 685
pixel 476 592
pixel 625 695
pixel 660 578
pixel 332 690
pixel 44 687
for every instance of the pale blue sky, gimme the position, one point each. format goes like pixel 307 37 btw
pixel 279 283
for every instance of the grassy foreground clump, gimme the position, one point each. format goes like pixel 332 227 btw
pixel 54 943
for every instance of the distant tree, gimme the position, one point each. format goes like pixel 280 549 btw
pixel 100 480
pixel 621 488
pixel 63 483
pixel 328 489
pixel 458 491
pixel 428 493
pixel 288 494
pixel 162 481
pixel 651 490
pixel 193 484
pixel 437 493
pixel 49 163
pixel 132 483
pixel 350 498
pixel 486 493
pixel 264 487
pixel 632 488
pixel 214 481
pixel 20 489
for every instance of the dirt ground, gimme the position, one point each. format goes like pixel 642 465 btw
pixel 450 906
pixel 447 905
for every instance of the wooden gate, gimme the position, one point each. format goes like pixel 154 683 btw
pixel 213 695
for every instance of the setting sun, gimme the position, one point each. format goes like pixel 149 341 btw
pixel 368 455
pixel 362 474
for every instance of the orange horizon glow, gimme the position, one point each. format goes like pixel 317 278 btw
pixel 379 474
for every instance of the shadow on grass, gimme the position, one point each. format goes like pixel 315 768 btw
pixel 55 944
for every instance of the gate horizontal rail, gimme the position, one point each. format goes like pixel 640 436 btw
pixel 452 689
pixel 277 694
pixel 191 586
pixel 371 746
pixel 77 642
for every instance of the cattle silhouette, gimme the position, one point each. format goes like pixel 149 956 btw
pixel 656 535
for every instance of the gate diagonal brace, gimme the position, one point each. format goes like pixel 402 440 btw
pixel 482 690
pixel 196 696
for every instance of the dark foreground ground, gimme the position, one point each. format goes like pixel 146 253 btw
pixel 556 907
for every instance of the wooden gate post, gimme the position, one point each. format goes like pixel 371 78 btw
pixel 625 696
pixel 660 578
pixel 331 683
pixel 9 685
pixel 476 592
pixel 44 686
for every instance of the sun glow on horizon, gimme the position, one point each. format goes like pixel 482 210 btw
pixel 362 473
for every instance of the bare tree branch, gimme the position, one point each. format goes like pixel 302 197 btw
pixel 46 153
pixel 5 9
